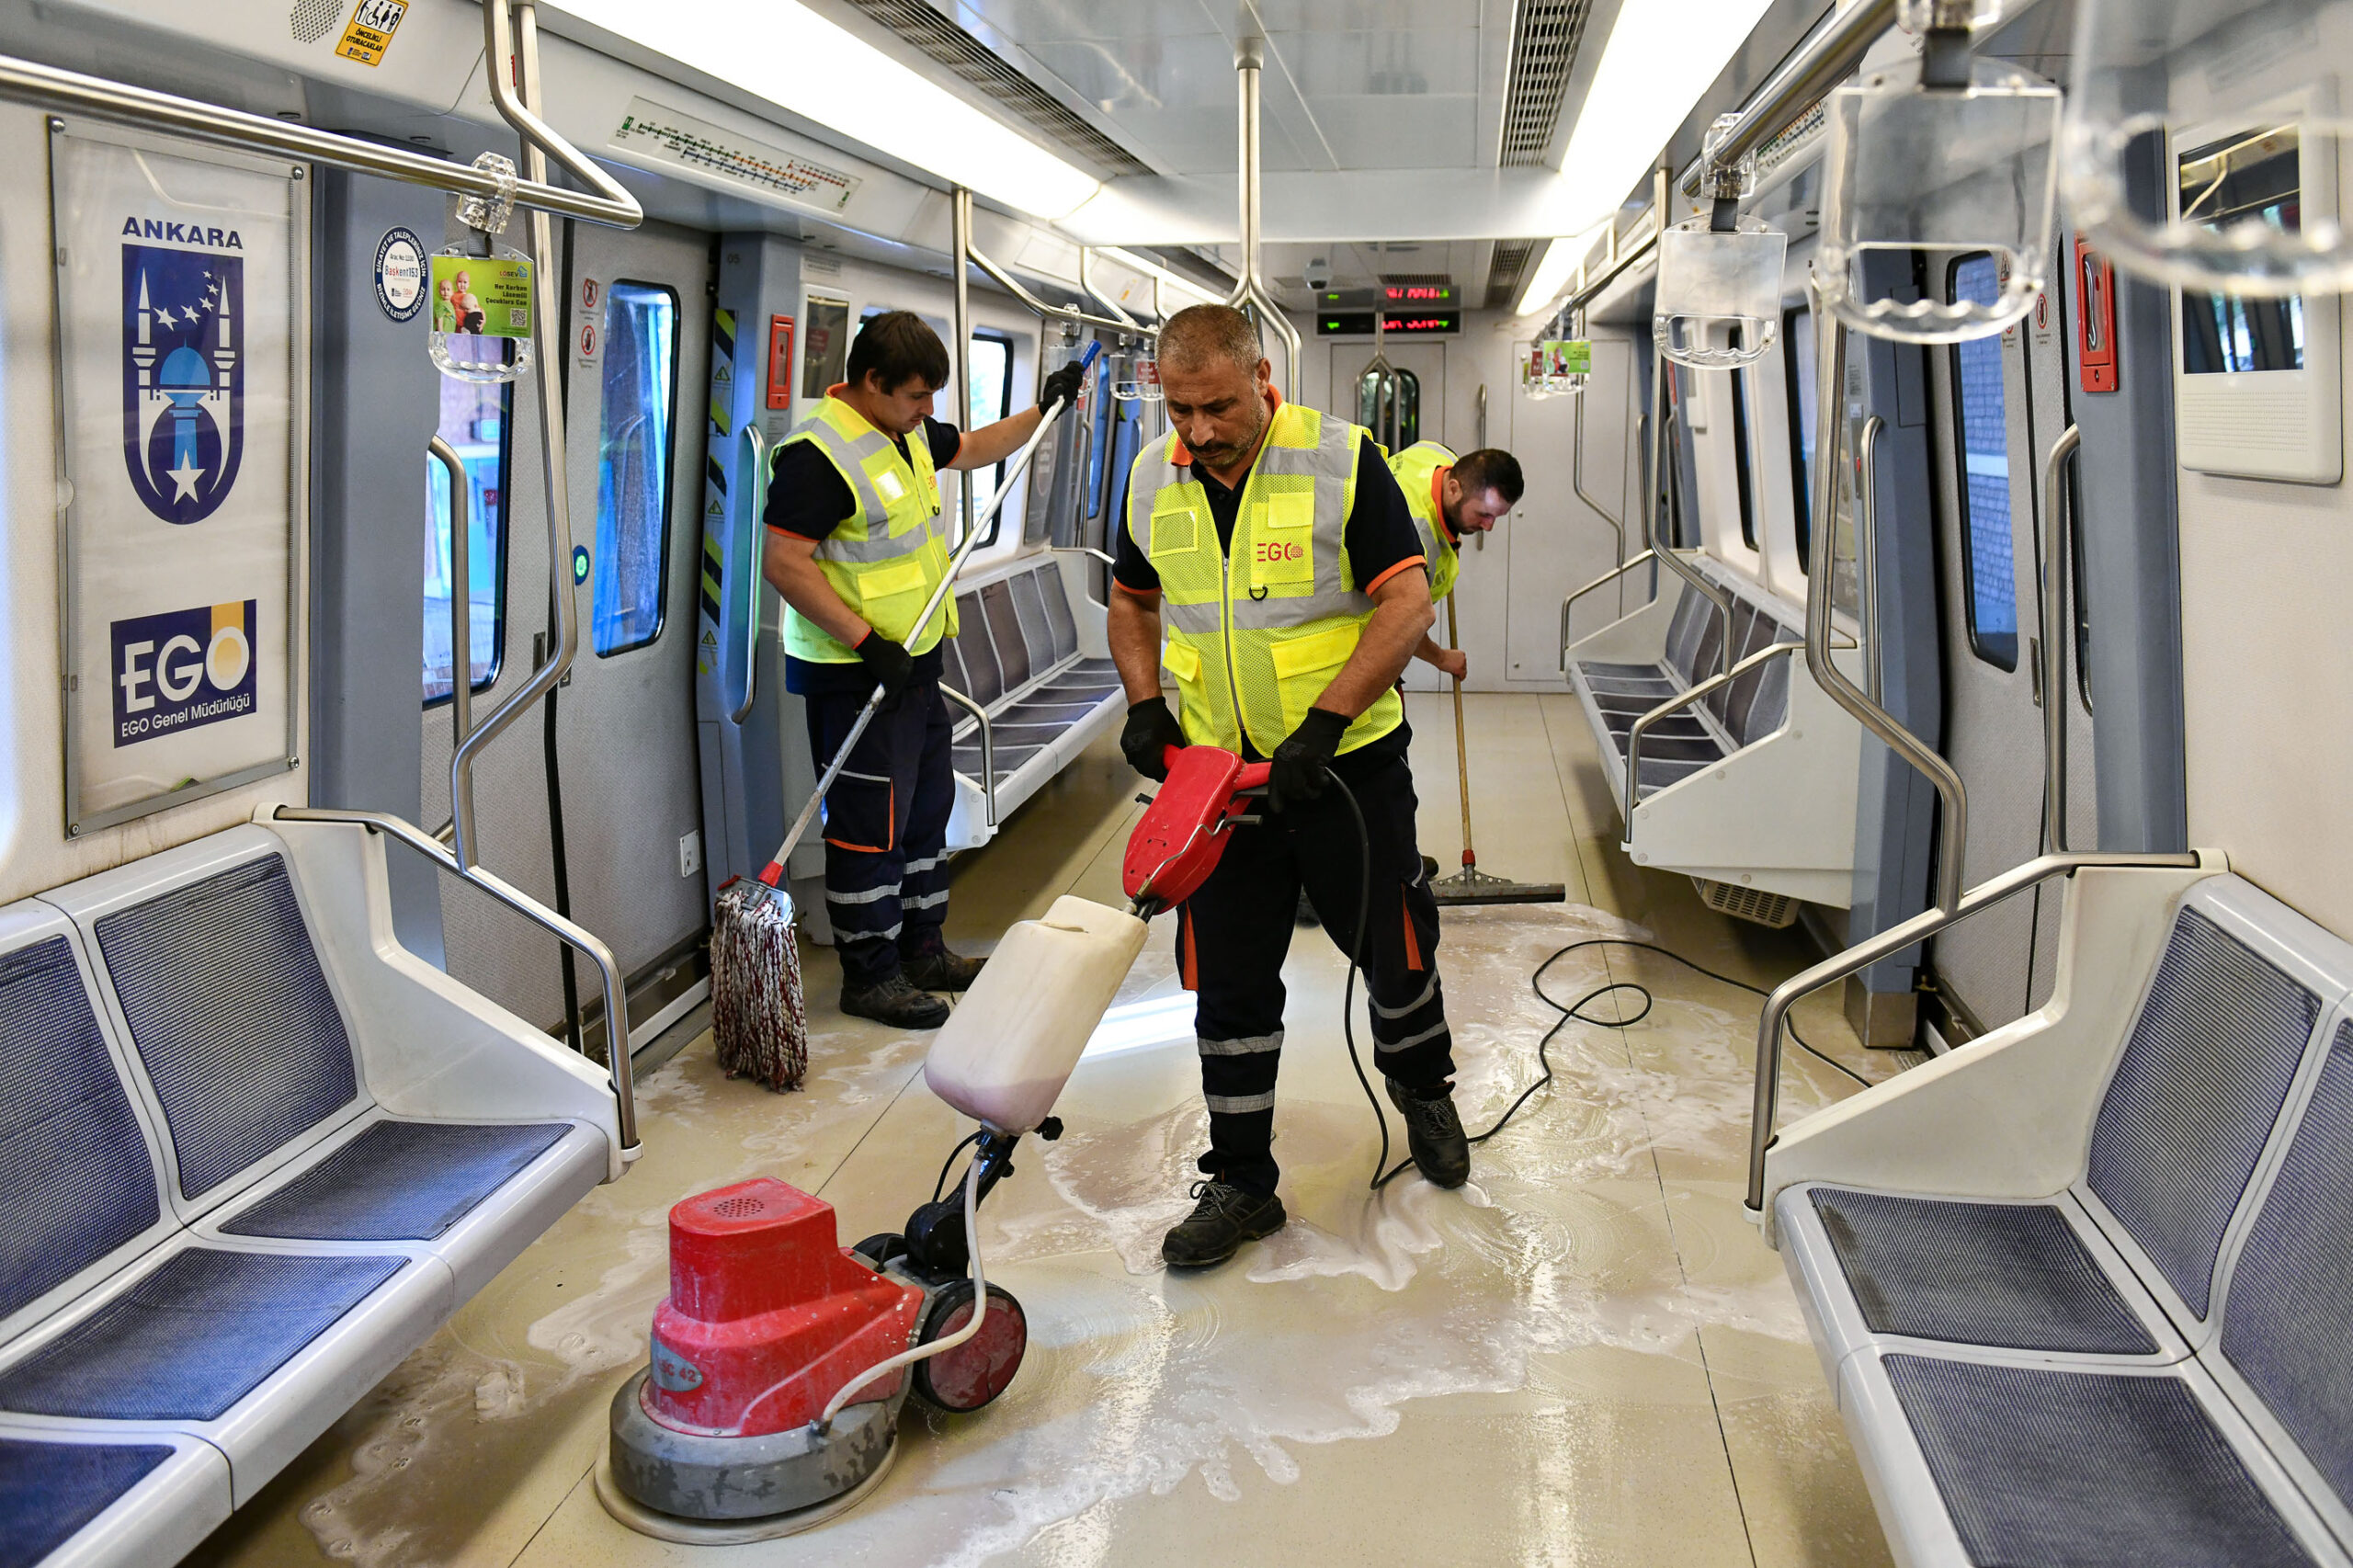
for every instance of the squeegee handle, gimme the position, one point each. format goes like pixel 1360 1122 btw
pixel 774 872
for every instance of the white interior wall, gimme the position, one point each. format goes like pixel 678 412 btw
pixel 35 853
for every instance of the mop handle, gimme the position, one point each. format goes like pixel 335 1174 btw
pixel 1461 756
pixel 774 873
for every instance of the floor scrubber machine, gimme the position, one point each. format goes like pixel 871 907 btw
pixel 780 1359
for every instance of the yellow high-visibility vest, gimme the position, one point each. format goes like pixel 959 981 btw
pixel 1258 631
pixel 890 554
pixel 1419 469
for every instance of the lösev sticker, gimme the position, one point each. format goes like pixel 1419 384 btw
pixel 369 32
pixel 486 295
pixel 183 668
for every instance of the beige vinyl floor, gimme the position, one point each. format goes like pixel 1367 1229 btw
pixel 1586 1357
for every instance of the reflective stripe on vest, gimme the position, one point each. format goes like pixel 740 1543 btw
pixel 891 551
pixel 1417 468
pixel 1256 633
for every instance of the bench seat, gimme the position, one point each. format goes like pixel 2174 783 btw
pixel 252 1154
pixel 2146 1365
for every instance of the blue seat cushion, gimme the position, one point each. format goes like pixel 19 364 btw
pixel 231 1016
pixel 48 1491
pixel 192 1338
pixel 399 1181
pixel 76 1180
pixel 2011 1275
pixel 2195 1096
pixel 2041 1467
pixel 2284 1326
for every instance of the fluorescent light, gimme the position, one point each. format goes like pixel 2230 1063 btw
pixel 1150 269
pixel 781 52
pixel 1663 54
pixel 1551 274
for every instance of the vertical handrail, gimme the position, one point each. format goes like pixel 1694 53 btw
pixel 2055 545
pixel 1830 393
pixel 1654 492
pixel 961 207
pixel 1250 289
pixel 1866 551
pixel 1577 483
pixel 549 359
pixel 462 630
pixel 750 495
pixel 519 101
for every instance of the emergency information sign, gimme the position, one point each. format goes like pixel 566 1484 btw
pixel 369 32
pixel 180 281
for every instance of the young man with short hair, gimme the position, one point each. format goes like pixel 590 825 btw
pixel 856 544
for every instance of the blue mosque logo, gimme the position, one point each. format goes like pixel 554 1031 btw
pixel 183 378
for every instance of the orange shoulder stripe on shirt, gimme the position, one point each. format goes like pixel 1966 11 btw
pixel 1409 560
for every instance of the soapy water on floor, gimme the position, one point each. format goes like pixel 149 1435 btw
pixel 1138 1379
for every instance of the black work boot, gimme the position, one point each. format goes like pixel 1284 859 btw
pixel 894 1002
pixel 1225 1217
pixel 940 970
pixel 1433 1135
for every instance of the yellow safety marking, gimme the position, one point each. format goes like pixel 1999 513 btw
pixel 369 32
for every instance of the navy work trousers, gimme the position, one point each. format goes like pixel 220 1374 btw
pixel 1232 934
pixel 886 824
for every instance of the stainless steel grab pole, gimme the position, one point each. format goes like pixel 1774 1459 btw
pixel 988 744
pixel 519 101
pixel 67 92
pixel 757 444
pixel 461 616
pixel 1014 287
pixel 961 209
pixel 1867 551
pixel 2055 641
pixel 1087 286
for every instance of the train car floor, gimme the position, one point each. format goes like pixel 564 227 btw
pixel 1587 1356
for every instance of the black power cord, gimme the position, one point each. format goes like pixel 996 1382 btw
pixel 1383 1173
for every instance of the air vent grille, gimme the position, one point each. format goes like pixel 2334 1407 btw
pixel 1543 51
pixel 1774 909
pixel 1506 271
pixel 314 20
pixel 1416 279
pixel 943 42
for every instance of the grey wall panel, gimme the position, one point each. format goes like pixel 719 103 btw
pixel 377 401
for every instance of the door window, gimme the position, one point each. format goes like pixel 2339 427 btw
pixel 825 347
pixel 634 466
pixel 988 400
pixel 473 420
pixel 1989 581
pixel 1797 353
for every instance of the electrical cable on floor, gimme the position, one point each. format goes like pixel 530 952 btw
pixel 1383 1173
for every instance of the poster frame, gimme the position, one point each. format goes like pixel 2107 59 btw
pixel 77 821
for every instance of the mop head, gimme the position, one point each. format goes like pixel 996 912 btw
pixel 758 1016
pixel 1471 885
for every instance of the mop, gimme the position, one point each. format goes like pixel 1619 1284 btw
pixel 1471 885
pixel 758 1017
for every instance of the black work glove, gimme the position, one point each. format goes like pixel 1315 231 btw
pixel 887 662
pixel 1062 386
pixel 1297 773
pixel 1150 730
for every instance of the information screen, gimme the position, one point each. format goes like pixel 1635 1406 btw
pixel 1400 323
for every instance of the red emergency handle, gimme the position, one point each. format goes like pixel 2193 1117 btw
pixel 1176 842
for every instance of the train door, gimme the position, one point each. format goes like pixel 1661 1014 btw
pixel 2004 403
pixel 637 369
pixel 1421 395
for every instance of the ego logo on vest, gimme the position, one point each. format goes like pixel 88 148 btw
pixel 182 669
pixel 1272 549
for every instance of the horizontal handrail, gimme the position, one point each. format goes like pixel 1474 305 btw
pixel 518 103
pixel 1676 703
pixel 1818 65
pixel 1087 286
pixel 1893 940
pixel 617 1044
pixel 988 744
pixel 69 92
pixel 1013 286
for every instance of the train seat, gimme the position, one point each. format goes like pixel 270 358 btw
pixel 1788 825
pixel 1030 651
pixel 251 1153
pixel 2142 1361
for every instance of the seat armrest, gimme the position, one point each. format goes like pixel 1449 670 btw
pixel 2026 1094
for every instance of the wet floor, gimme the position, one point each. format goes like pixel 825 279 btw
pixel 1584 1357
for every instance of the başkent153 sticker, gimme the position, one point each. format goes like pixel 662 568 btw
pixel 183 377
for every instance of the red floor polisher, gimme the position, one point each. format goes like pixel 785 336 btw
pixel 780 1359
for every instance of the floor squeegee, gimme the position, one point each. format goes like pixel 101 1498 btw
pixel 780 1359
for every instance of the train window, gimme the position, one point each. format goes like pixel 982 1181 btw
pixel 634 466
pixel 473 420
pixel 1797 354
pixel 1988 576
pixel 1740 461
pixel 825 347
pixel 988 400
pixel 2228 182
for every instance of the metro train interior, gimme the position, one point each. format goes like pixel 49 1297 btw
pixel 1922 1114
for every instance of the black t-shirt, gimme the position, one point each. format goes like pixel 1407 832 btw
pixel 1379 536
pixel 809 498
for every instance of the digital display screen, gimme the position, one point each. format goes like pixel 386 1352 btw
pixel 1400 323
pixel 2254 178
pixel 1413 294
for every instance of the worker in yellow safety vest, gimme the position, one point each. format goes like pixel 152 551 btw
pixel 1450 497
pixel 1272 549
pixel 856 544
